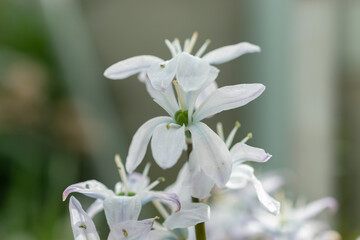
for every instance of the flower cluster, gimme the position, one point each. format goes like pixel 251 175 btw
pixel 185 87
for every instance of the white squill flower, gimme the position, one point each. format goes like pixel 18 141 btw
pixel 138 64
pixel 191 75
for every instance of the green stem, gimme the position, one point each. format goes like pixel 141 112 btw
pixel 200 227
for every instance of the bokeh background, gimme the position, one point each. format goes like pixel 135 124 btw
pixel 62 122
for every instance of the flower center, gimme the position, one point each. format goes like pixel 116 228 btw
pixel 181 117
pixel 130 194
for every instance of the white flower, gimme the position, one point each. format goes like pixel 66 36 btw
pixel 138 64
pixel 168 133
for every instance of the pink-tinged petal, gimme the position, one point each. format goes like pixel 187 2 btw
pixel 228 97
pixel 166 99
pixel 91 188
pixel 131 230
pixel 167 144
pixel 170 199
pixel 121 208
pixel 192 72
pixel 242 152
pixel 211 153
pixel 82 225
pixel 242 173
pixel 140 142
pixel 130 66
pixel 161 74
pixel 95 208
pixel 190 215
pixel 228 53
pixel 314 208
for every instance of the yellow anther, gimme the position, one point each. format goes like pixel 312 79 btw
pixel 168 126
pixel 237 124
pixel 162 65
pixel 250 135
pixel 82 226
pixel 125 232
pixel 192 42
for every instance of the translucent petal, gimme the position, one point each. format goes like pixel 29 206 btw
pixel 228 97
pixel 131 230
pixel 314 208
pixel 140 141
pixel 121 208
pixel 90 188
pixel 228 53
pixel 170 199
pixel 213 156
pixel 242 152
pixel 82 225
pixel 192 72
pixel 190 215
pixel 130 66
pixel 161 74
pixel 167 144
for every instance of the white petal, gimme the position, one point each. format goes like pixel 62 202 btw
pixel 167 144
pixel 166 99
pixel 121 208
pixel 160 234
pixel 140 141
pixel 202 190
pixel 182 184
pixel 131 230
pixel 130 66
pixel 247 173
pixel 82 225
pixel 90 188
pixel 228 97
pixel 162 74
pixel 190 215
pixel 314 208
pixel 205 93
pixel 137 182
pixel 170 199
pixel 242 152
pixel 228 53
pixel 192 72
pixel 213 156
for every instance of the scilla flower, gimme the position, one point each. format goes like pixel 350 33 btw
pixel 189 76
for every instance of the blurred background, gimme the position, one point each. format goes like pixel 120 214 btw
pixel 62 122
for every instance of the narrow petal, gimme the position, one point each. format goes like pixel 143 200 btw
pixel 82 225
pixel 192 72
pixel 228 53
pixel 314 208
pixel 167 144
pixel 228 97
pixel 91 188
pixel 190 215
pixel 213 156
pixel 242 173
pixel 161 74
pixel 166 99
pixel 131 230
pixel 140 141
pixel 242 152
pixel 121 208
pixel 205 94
pixel 130 66
pixel 202 190
pixel 170 199
pixel 95 208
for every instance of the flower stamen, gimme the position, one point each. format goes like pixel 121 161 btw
pixel 231 136
pixel 146 170
pixel 160 208
pixel 175 81
pixel 220 130
pixel 122 173
pixel 249 136
pixel 192 42
pixel 203 48
pixel 155 183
